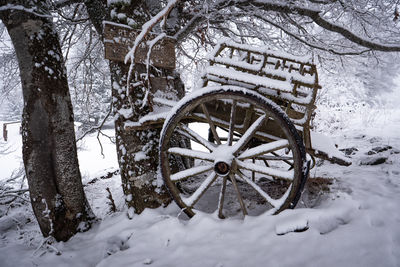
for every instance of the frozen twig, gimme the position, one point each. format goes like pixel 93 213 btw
pixel 13 196
pixel 151 45
pixel 46 244
pixel 98 129
pixel 319 47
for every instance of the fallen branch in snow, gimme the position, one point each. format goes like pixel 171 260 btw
pixel 46 244
pixel 106 176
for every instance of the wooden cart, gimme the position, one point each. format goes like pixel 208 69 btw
pixel 242 140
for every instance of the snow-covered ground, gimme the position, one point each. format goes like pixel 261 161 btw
pixel 356 224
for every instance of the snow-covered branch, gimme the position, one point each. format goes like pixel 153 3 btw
pixel 146 29
pixel 370 27
pixel 11 7
pixel 315 15
pixel 352 36
pixel 148 26
pixel 188 27
pixel 310 44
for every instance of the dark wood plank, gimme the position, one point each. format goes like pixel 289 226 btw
pixel 119 39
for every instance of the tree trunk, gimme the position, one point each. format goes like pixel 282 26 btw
pixel 49 149
pixel 137 150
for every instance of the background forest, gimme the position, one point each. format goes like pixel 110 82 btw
pixel 351 217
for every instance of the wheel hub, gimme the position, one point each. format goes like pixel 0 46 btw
pixel 223 159
pixel 222 168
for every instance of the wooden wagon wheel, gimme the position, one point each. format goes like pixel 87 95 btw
pixel 221 178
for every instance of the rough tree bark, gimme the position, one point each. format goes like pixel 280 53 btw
pixel 137 150
pixel 49 149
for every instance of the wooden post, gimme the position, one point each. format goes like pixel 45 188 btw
pixel 5 132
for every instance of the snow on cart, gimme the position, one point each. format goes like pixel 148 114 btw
pixel 248 125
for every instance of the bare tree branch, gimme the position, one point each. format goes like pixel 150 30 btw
pixel 64 3
pixel 295 36
pixel 314 14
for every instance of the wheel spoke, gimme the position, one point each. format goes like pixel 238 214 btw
pixel 288 175
pixel 192 200
pixel 185 152
pixel 253 173
pixel 266 164
pixel 284 160
pixel 183 129
pixel 247 117
pixel 249 134
pixel 263 149
pixel 239 196
pixel 276 203
pixel 190 172
pixel 232 123
pixel 212 126
pixel 221 198
pixel 277 157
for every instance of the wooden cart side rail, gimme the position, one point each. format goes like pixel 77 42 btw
pixel 226 43
pixel 305 75
pixel 249 78
pixel 267 63
pixel 300 99
pixel 258 60
pixel 259 69
pixel 297 117
pixel 285 99
pixel 297 89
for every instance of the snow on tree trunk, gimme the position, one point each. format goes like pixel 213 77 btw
pixel 138 150
pixel 49 149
